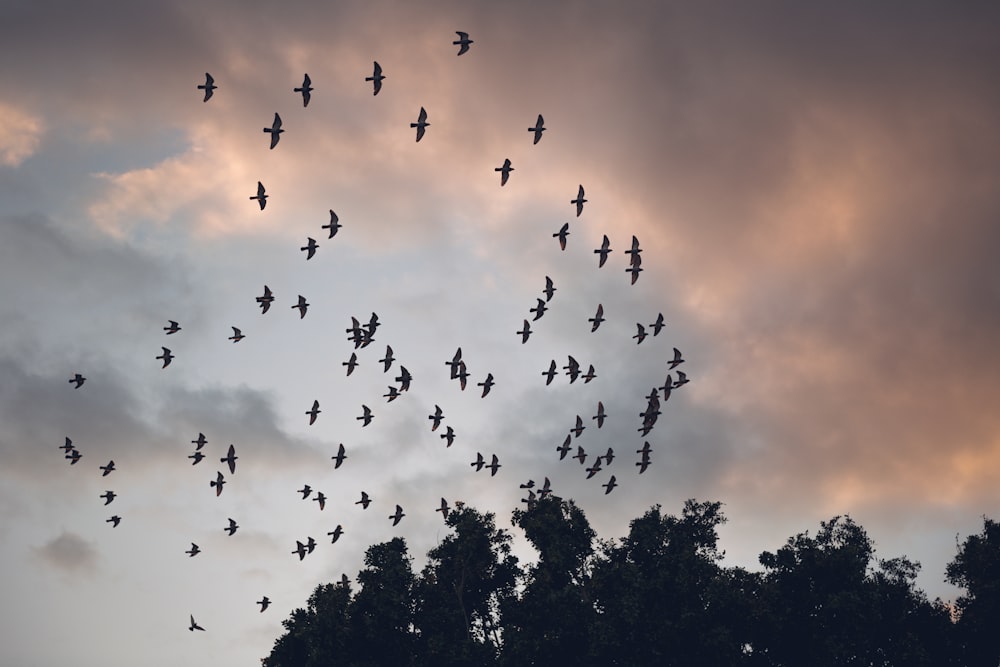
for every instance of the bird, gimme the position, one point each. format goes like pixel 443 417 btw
pixel 300 549
pixel 600 416
pixel 537 129
pixel 530 484
pixel 173 328
pixel 391 395
pixel 310 544
pixel 365 501
pixel 454 363
pixel 397 515
pixel 579 201
pixel 114 521
pixel 668 385
pixel 546 488
pixel 444 509
pixel 237 335
pixel 550 288
pixel 681 379
pixel 578 429
pixel 334 225
pixel 530 500
pixel 336 533
pixel 462 375
pixel 339 458
pixel 486 384
pixel 231 528
pixel 78 379
pixel 562 234
pixel 595 468
pixel 306 90
pixel 657 325
pixel 610 485
pixel 603 251
pixel 321 499
pixel 564 448
pixel 421 123
pixel 404 379
pixel 108 496
pixel 676 361
pixel 494 466
pixel 581 455
pixel 479 462
pixel 366 416
pixel 609 456
pixel 634 270
pixel 193 551
pixel 74 456
pixel 357 334
pixel 504 171
pixel 387 359
pixel 230 459
pixel 197 456
pixel 266 300
pixel 525 332
pixel 167 357
pixel 313 412
pixel 261 195
pixel 462 42
pixel 194 626
pixel 302 306
pixel 449 435
pixel 310 247
pixel 305 491
pixel 200 441
pixel 597 318
pixel 640 333
pixel 108 469
pixel 209 87
pixel 538 310
pixel 572 369
pixel 67 446
pixel 376 78
pixel 436 417
pixel 265 601
pixel 275 130
pixel 589 375
pixel 551 373
pixel 344 581
pixel 218 482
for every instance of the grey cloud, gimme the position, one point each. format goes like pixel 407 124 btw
pixel 69 553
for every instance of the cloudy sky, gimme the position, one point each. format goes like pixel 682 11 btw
pixel 815 194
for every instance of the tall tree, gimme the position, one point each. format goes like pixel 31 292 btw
pixel 976 568
pixel 316 635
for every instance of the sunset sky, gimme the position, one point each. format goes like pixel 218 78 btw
pixel 814 187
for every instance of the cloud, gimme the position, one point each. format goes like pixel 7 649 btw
pixel 20 135
pixel 69 553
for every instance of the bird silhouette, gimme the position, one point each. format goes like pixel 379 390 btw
pixel 436 417
pixel 504 170
pixel 537 129
pixel 578 429
pixel 302 306
pixel 444 509
pixel 486 384
pixel 657 325
pixel 462 42
pixel 391 394
pixel 74 456
pixel 529 485
pixel 600 416
pixel 609 456
pixel 306 90
pixel 366 416
pixel 463 375
pixel 565 447
pixel 108 469
pixel 595 468
pixel 597 318
pixel 78 380
pixel 261 192
pixel 397 515
pixel 640 333
pixel 173 328
pixel 579 201
pixel 310 544
pixel 313 412
pixel 336 533
pixel 479 462
pixel 108 496
pixel 404 379
pixel 114 521
pixel 264 602
pixel 230 459
pixel 603 251
pixel 634 270
pixel 572 369
pixel 365 501
pixel 454 363
pixel 562 234
pixel 668 385
pixel 237 335
pixel 340 457
pixel 344 581
pixel 209 87
pixel 376 78
pixel 610 485
pixel 551 373
pixel 231 528
pixel 200 441
pixel 275 130
pixel 321 499
pixel 300 549
pixel 589 375
pixel 67 446
pixel 421 124
pixel 305 491
pixel 538 310
pixel 525 332
pixel 193 551
pixel 197 456
pixel 550 289
pixel 681 379
pixel 334 225
pixel 387 359
pixel 194 626
pixel 448 435
pixel 351 363
pixel 166 357
pixel 266 300
pixel 676 361
pixel 218 483
pixel 310 247
pixel 494 466
pixel 581 455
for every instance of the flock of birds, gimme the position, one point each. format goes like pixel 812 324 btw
pixel 363 334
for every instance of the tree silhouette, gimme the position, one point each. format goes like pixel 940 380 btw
pixel 976 568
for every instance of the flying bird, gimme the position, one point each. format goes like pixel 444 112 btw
pixel 336 533
pixel 339 458
pixel 525 332
pixel 387 359
pixel 487 384
pixel 302 306
pixel 209 87
pixel 197 456
pixel 218 482
pixel 305 491
pixel 600 416
pixel 550 289
pixel 193 551
pixel 681 379
pixel 167 357
pixel 306 90
pixel 551 373
pixel 572 369
pixel 313 412
pixel 589 375
pixel 595 468
pixel 581 455
pixel 200 442
pixel 310 247
pixel 578 429
pixel 391 395
pixel 237 335
pixel 454 363
pixel 579 201
pixel 546 488
pixel 597 318
pixel 448 435
pixel 310 545
pixel 78 379
pixel 173 328
pixel 74 456
pixel 397 515
pixel 537 129
pixel 676 361
pixel 564 448
pixel 366 416
pixel 603 251
pixel 114 521
pixel 421 124
pixel 230 459
pixel 462 42
pixel 634 270
pixel 479 462
pixel 67 446
pixel 265 601
pixel 275 130
pixel 562 234
pixel 404 379
pixel 609 456
pixel 108 469
pixel 610 485
pixel 344 581
pixel 376 78
pixel 538 310
pixel 462 375
pixel 640 334
pixel 504 170
pixel 300 549
pixel 494 466
pixel 108 496
pixel 194 626
pixel 266 300
pixel 657 325
pixel 321 499
pixel 261 195
pixel 334 225
pixel 436 417
pixel 231 528
pixel 634 251
pixel 444 509
pixel 365 501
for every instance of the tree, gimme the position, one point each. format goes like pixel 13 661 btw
pixel 976 568
pixel 316 635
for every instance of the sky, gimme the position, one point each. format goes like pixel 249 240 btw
pixel 813 186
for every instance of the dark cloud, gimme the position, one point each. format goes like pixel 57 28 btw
pixel 69 553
